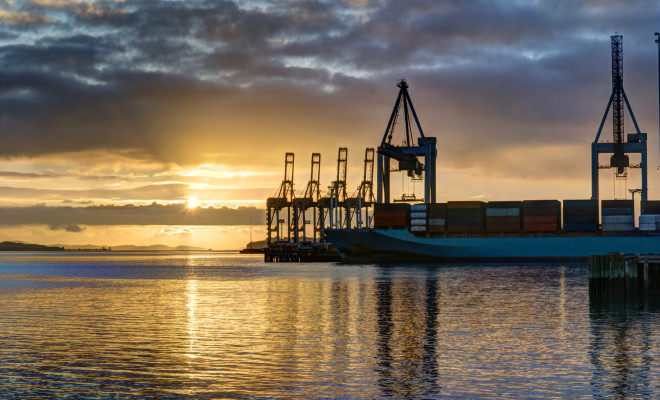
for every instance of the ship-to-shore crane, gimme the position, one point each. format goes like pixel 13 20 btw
pixel 363 198
pixel 406 154
pixel 282 201
pixel 636 142
pixel 332 204
pixel 308 201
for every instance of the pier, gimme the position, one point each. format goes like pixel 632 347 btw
pixel 617 275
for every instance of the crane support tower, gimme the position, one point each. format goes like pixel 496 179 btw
pixel 281 203
pixel 636 142
pixel 308 202
pixel 363 197
pixel 406 154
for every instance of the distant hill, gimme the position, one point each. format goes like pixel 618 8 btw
pixel 257 244
pixel 20 246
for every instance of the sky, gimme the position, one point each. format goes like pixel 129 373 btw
pixel 144 121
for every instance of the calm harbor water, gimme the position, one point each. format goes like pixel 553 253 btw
pixel 214 325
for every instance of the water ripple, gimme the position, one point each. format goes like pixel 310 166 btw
pixel 180 326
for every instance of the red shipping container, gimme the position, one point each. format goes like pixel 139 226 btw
pixel 503 228
pixel 464 228
pixel 502 220
pixel 533 228
pixel 550 219
pixel 436 229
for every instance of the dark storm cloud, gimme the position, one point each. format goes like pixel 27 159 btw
pixel 177 79
pixel 164 192
pixel 69 218
pixel 68 228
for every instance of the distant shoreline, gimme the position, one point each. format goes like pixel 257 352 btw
pixel 18 246
pixel 21 246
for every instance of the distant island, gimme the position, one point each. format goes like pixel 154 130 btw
pixel 20 246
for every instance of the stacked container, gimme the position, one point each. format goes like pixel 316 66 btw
pixel 541 216
pixel 418 218
pixel 617 216
pixel 391 215
pixel 649 218
pixel 466 216
pixel 580 215
pixel 437 216
pixel 503 216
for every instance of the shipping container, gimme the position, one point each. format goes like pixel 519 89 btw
pixel 454 205
pixel 617 216
pixel 436 215
pixel 580 227
pixel 617 211
pixel 503 217
pixel 391 219
pixel 464 228
pixel 540 228
pixel 617 227
pixel 436 229
pixel 417 207
pixel 418 228
pixel 616 203
pixel 392 207
pixel 541 216
pixel 650 207
pixel 465 216
pixel 437 210
pixel 618 219
pixel 417 214
pixel 436 221
pixel 649 222
pixel 580 215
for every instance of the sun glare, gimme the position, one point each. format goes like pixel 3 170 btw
pixel 191 204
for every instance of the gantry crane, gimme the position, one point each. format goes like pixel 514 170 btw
pixel 308 201
pixel 636 142
pixel 283 200
pixel 363 198
pixel 406 154
pixel 333 202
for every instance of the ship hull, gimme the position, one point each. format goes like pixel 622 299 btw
pixel 399 245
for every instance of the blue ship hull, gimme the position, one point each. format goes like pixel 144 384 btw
pixel 399 245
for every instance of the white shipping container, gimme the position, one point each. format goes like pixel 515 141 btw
pixel 622 227
pixel 418 207
pixel 418 214
pixel 417 228
pixel 437 221
pixel 418 221
pixel 618 219
pixel 502 212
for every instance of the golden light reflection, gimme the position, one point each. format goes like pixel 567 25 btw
pixel 191 303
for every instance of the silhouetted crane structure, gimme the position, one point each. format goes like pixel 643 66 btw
pixel 363 198
pixel 408 153
pixel 636 142
pixel 307 202
pixel 332 203
pixel 280 203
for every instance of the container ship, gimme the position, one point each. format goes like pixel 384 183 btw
pixel 410 229
pixel 500 232
pixel 504 231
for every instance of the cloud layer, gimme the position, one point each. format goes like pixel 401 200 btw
pixel 119 101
